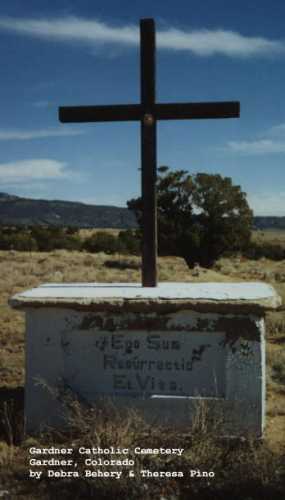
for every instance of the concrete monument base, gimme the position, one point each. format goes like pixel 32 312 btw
pixel 163 350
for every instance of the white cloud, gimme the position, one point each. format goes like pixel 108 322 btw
pixel 202 42
pixel 277 130
pixel 211 42
pixel 25 135
pixel 73 29
pixel 270 141
pixel 31 170
pixel 259 147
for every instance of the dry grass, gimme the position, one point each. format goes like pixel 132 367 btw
pixel 238 466
pixel 273 236
pixel 86 233
pixel 242 469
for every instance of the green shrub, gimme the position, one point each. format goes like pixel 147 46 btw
pixel 24 243
pixel 72 243
pixel 14 239
pixel 102 242
pixel 130 241
pixel 127 242
pixel 272 251
pixel 39 238
pixel 55 238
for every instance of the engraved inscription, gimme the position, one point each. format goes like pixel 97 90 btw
pixel 142 364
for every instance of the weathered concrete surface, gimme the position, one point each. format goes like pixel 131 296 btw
pixel 238 297
pixel 164 360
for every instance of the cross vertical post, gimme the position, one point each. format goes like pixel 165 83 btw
pixel 148 153
pixel 148 112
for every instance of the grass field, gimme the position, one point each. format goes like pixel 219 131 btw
pixel 256 465
pixel 269 236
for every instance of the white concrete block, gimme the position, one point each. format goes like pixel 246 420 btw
pixel 163 350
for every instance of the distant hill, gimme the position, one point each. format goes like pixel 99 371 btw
pixel 269 222
pixel 15 210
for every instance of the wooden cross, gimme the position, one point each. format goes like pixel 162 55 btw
pixel 148 112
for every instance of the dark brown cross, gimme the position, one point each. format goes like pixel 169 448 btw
pixel 148 112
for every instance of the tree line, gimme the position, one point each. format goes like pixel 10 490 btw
pixel 201 217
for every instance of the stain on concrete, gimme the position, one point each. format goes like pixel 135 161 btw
pixel 65 345
pixel 91 321
pixel 237 328
pixel 197 354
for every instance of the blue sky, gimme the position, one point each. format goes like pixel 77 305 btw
pixel 86 52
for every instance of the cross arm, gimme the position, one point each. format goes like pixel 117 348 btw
pixel 134 112
pixel 116 112
pixel 188 110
